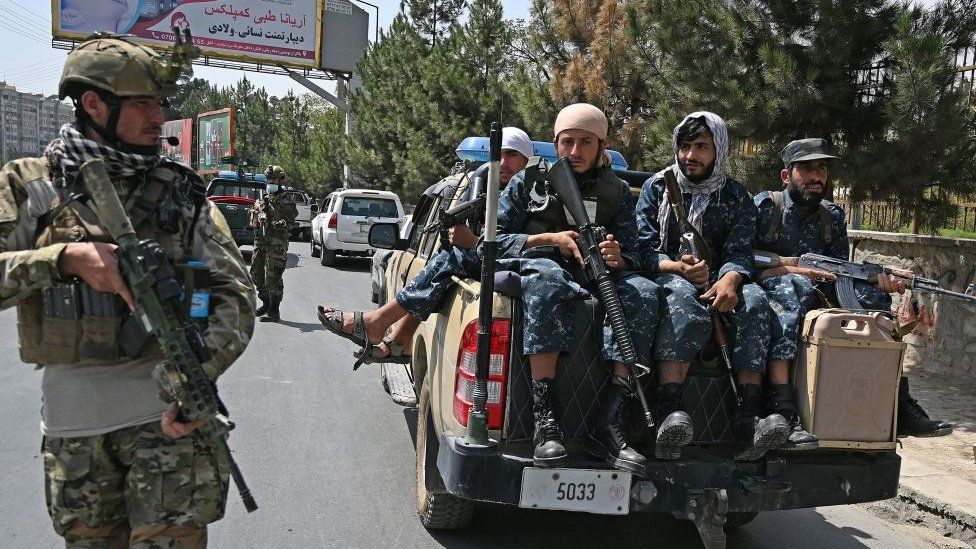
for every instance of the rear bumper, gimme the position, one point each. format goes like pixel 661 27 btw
pixel 796 481
pixel 333 243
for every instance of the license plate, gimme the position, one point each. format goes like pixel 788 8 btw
pixel 590 491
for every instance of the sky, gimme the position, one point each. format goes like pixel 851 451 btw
pixel 28 62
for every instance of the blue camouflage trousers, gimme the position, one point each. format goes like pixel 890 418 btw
pixel 791 297
pixel 869 295
pixel 685 324
pixel 425 293
pixel 640 298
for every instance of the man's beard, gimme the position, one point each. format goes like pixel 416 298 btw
pixel 698 178
pixel 806 199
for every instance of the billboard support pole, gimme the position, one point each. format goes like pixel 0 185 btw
pixel 339 102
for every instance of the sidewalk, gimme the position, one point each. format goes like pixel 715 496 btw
pixel 938 475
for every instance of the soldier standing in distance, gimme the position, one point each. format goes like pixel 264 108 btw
pixel 120 469
pixel 273 218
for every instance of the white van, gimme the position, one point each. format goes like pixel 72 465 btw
pixel 343 222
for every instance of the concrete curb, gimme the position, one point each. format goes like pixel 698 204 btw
pixel 939 515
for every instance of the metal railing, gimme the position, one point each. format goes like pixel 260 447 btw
pixel 886 216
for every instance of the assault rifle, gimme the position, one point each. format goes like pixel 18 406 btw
pixel 563 182
pixel 849 271
pixel 695 245
pixel 454 216
pixel 150 275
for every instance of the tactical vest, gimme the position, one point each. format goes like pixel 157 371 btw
pixel 776 221
pixel 71 322
pixel 606 191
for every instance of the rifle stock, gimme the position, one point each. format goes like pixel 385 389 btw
pixel 150 276
pixel 563 182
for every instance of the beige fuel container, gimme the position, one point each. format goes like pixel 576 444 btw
pixel 846 378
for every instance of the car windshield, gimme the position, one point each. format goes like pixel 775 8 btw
pixel 232 188
pixel 369 207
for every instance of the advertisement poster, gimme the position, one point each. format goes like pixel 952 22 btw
pixel 215 139
pixel 284 31
pixel 182 130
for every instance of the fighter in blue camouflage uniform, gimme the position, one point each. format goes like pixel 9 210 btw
pixel 723 212
pixel 532 224
pixel 803 216
pixel 425 293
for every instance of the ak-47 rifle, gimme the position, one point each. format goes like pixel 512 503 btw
pixel 150 275
pixel 454 216
pixel 695 245
pixel 849 271
pixel 560 176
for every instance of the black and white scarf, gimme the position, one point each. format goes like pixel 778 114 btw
pixel 702 191
pixel 72 149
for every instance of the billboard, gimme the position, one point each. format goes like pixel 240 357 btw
pixel 287 32
pixel 182 130
pixel 215 139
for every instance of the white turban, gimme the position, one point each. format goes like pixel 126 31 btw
pixel 517 140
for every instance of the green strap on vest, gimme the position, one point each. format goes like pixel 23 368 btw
pixel 776 221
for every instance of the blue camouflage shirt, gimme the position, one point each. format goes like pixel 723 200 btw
pixel 513 215
pixel 799 232
pixel 728 227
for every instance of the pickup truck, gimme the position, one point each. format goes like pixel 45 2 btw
pixel 705 486
pixel 234 197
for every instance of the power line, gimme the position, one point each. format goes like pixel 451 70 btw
pixel 28 10
pixel 31 22
pixel 27 27
pixel 22 34
pixel 33 67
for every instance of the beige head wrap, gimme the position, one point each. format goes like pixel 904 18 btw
pixel 581 116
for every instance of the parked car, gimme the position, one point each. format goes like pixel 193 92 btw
pixel 705 485
pixel 234 197
pixel 305 205
pixel 342 225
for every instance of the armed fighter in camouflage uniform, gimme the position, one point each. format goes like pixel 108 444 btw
pixel 722 211
pixel 120 469
pixel 535 237
pixel 272 218
pixel 800 221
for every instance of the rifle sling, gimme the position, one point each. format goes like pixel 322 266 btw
pixel 673 193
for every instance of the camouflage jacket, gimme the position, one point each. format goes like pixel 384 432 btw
pixel 514 215
pixel 26 193
pixel 799 232
pixel 728 227
pixel 280 213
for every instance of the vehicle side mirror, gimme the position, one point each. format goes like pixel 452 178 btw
pixel 314 208
pixel 386 236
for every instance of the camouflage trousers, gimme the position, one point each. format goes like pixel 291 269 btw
pixel 425 293
pixel 134 487
pixel 640 298
pixel 791 297
pixel 686 324
pixel 268 267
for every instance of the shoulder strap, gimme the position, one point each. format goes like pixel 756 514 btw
pixel 775 219
pixel 826 224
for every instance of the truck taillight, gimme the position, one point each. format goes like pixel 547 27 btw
pixel 467 365
pixel 333 220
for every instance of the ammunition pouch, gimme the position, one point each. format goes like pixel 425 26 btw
pixel 72 322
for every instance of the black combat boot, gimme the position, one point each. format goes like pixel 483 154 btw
pixel 608 440
pixel 754 436
pixel 272 315
pixel 782 402
pixel 674 427
pixel 912 419
pixel 263 309
pixel 549 448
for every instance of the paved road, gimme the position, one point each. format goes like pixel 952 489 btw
pixel 330 458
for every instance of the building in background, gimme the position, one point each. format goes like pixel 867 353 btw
pixel 28 122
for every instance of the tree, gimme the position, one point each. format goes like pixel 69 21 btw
pixel 433 19
pixel 307 142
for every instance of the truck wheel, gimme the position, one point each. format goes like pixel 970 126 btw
pixel 328 257
pixel 316 252
pixel 737 520
pixel 438 509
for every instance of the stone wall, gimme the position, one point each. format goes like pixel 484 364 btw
pixel 944 337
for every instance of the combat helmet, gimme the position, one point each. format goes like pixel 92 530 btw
pixel 274 172
pixel 119 68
